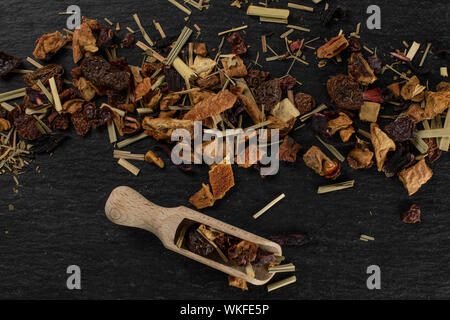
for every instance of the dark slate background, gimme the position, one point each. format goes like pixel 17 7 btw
pixel 59 213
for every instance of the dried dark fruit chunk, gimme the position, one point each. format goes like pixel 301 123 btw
pixel 58 121
pixel 128 41
pixel 8 63
pixel 25 125
pixel 48 143
pixel 196 243
pixel 289 149
pixel 345 92
pixel 104 35
pixel 34 98
pixel 353 45
pixel 397 160
pixel 242 253
pixel 304 102
pixel 268 94
pixel 80 123
pixel 287 83
pixel 104 75
pixel 44 74
pixel 375 63
pixel 236 43
pixel 433 151
pixel 360 70
pixel 402 129
pixel 256 77
pixel 337 13
pixel 412 215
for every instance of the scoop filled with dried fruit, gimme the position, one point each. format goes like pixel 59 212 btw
pixel 212 242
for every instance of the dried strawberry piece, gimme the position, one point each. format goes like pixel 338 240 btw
pixel 412 215
pixel 236 43
pixel 8 63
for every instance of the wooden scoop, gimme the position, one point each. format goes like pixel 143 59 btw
pixel 127 207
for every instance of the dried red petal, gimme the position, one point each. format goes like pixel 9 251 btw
pixel 412 215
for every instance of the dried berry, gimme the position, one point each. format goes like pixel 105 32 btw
pixel 243 253
pixel 58 121
pixel 412 215
pixel 197 243
pixel 104 75
pixel 304 102
pixel 8 63
pixel 236 43
pixel 345 92
pixel 104 35
pixel 402 129
pixel 256 77
pixel 268 94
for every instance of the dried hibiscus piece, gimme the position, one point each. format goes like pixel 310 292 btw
pixel 237 283
pixel 211 106
pixel 360 70
pixel 415 176
pixel 397 160
pixel 382 144
pixel 375 63
pixel 236 43
pixel 202 198
pixel 49 44
pixel 338 13
pixel 162 128
pixel 288 150
pixel 412 215
pixel 361 156
pixel 304 102
pixel 48 143
pixel 8 63
pixel 345 92
pixel 221 179
pixel 321 164
pixel 402 129
pixel 373 95
pixel 333 47
pixel 197 244
pixel 268 94
pixel 341 122
pixel 290 240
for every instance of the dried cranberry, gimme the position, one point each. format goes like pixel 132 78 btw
pixel 256 77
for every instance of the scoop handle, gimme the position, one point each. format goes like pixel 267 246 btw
pixel 127 207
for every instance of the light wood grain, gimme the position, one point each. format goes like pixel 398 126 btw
pixel 127 207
